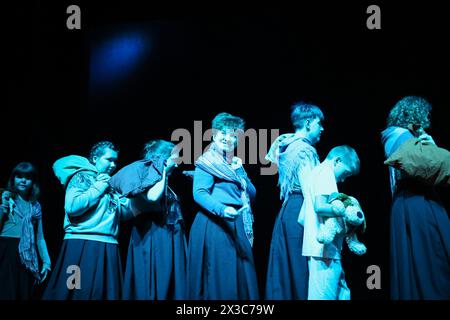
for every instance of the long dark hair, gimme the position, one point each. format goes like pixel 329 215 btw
pixel 28 170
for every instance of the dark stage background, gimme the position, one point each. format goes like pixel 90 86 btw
pixel 193 62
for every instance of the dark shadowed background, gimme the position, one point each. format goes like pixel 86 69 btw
pixel 135 73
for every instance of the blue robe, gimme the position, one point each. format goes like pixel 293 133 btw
pixel 156 260
pixel 220 260
pixel 419 235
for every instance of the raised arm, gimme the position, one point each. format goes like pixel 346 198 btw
pixel 154 193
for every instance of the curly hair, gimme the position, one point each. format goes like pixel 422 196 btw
pixel 99 149
pixel 227 121
pixel 410 110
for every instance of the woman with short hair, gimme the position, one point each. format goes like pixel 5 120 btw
pixel 220 260
pixel 296 157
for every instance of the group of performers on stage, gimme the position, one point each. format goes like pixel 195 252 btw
pixel 215 261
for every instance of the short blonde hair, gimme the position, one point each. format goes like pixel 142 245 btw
pixel 348 156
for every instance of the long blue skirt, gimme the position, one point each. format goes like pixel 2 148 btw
pixel 99 268
pixel 16 282
pixel 156 262
pixel 220 268
pixel 287 272
pixel 420 246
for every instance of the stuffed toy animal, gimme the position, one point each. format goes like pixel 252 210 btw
pixel 352 221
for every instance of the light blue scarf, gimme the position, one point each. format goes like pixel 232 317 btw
pixel 27 243
pixel 286 152
pixel 392 138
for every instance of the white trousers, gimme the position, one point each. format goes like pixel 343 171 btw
pixel 326 280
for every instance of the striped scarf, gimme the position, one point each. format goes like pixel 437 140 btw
pixel 214 163
pixel 27 243
pixel 391 139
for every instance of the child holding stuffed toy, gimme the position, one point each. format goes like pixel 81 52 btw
pixel 326 276
pixel 349 224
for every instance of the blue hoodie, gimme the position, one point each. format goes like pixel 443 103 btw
pixel 90 214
